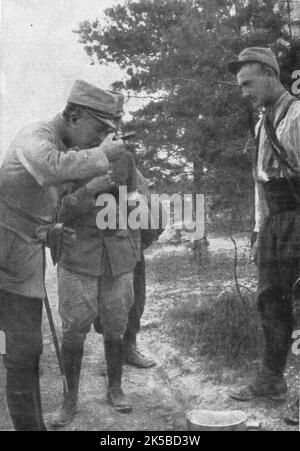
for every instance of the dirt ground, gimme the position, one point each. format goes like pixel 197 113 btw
pixel 180 381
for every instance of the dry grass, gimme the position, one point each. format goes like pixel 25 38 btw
pixel 226 328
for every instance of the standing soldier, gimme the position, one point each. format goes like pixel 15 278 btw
pixel 277 170
pixel 143 239
pixel 95 277
pixel 131 353
pixel 36 162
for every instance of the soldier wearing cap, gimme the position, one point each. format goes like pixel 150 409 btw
pixel 43 156
pixel 95 275
pixel 277 193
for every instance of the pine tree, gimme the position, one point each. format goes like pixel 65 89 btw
pixel 175 52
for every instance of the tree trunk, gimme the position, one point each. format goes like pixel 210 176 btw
pixel 200 246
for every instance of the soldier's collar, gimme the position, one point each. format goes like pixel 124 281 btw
pixel 61 129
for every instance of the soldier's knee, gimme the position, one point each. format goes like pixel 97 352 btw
pixel 111 335
pixel 23 351
pixel 78 325
pixel 269 299
pixel 275 305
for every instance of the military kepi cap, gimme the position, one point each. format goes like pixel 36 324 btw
pixel 119 105
pixel 254 55
pixel 102 104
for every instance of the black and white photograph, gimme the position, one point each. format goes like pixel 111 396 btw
pixel 149 218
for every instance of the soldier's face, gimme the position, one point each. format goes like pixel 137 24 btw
pixel 256 85
pixel 87 132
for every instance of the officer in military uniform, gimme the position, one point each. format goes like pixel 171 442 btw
pixel 43 156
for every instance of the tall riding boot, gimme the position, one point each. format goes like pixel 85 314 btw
pixel 23 399
pixel 132 355
pixel 115 395
pixel 71 360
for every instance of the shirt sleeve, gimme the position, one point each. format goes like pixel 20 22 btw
pixel 39 154
pixel 294 134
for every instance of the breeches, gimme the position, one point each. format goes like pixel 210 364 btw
pixel 82 298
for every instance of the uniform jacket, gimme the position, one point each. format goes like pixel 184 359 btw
pixel 36 162
pixel 77 210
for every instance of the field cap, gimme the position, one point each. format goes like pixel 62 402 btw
pixel 254 55
pixel 102 104
pixel 120 104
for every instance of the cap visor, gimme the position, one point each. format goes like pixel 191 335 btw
pixel 102 119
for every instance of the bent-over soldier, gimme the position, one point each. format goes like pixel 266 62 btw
pixel 43 155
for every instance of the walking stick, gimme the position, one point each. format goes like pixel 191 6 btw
pixel 52 329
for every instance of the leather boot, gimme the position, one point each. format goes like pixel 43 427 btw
pixel 132 356
pixel 71 360
pixel 23 399
pixel 115 394
pixel 267 384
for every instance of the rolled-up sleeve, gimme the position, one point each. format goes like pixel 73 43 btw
pixel 39 154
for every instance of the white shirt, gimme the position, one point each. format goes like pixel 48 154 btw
pixel 288 134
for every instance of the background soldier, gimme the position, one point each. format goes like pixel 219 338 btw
pixel 143 239
pixel 131 354
pixel 277 216
pixel 36 161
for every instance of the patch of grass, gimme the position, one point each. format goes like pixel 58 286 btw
pixel 226 328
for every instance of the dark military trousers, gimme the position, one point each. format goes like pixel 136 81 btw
pixel 278 270
pixel 21 322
